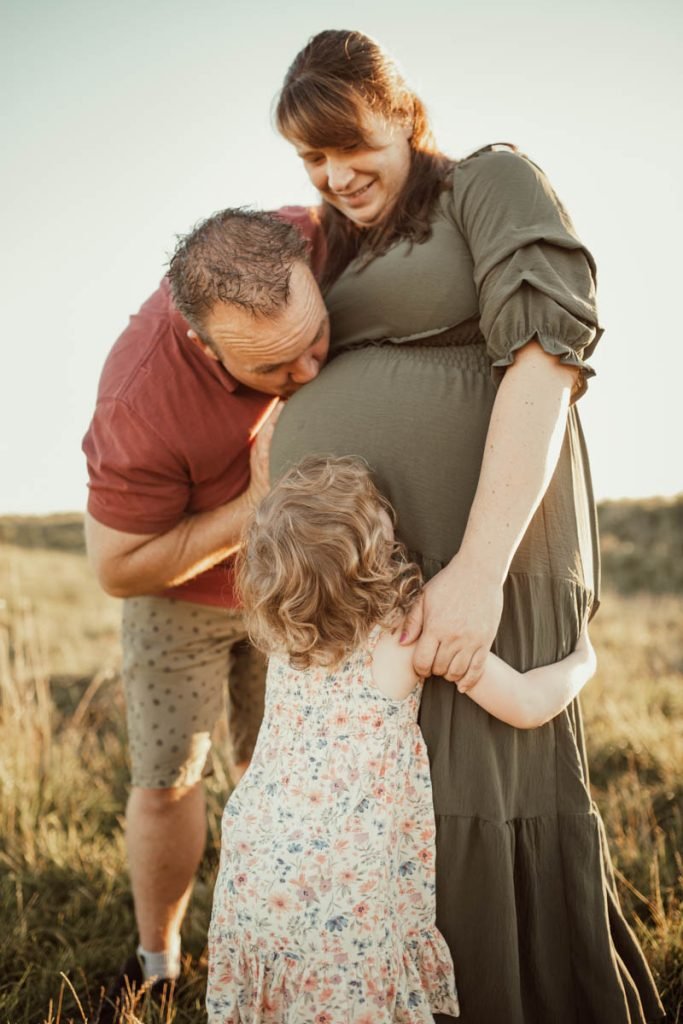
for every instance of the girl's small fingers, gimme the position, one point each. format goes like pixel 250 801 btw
pixel 474 672
pixel 443 663
pixel 457 666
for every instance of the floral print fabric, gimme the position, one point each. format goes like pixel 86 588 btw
pixel 324 904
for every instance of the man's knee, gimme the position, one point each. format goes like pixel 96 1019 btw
pixel 159 802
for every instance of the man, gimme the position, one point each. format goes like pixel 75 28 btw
pixel 174 472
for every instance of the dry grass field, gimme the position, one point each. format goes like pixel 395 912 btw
pixel 64 901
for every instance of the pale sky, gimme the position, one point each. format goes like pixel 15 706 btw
pixel 124 123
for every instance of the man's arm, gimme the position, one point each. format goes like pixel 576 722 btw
pixel 461 606
pixel 129 564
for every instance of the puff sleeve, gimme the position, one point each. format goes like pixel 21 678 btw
pixel 533 276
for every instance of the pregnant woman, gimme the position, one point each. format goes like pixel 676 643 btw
pixel 462 308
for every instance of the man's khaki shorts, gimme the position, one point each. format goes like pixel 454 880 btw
pixel 177 659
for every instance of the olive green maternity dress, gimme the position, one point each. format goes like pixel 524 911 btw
pixel 525 893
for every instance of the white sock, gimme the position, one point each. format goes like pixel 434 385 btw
pixel 165 964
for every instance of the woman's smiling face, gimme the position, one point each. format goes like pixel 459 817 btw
pixel 362 181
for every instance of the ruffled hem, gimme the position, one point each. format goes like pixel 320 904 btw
pixel 405 987
pixel 537 923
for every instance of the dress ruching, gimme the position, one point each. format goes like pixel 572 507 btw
pixel 534 277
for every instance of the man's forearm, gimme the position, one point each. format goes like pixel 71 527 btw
pixel 152 563
pixel 522 448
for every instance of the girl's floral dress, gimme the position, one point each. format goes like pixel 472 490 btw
pixel 324 905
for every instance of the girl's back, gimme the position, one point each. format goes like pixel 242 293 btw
pixel 325 898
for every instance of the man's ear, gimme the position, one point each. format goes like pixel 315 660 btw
pixel 206 349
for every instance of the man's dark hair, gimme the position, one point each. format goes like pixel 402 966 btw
pixel 240 257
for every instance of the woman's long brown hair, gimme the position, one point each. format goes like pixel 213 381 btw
pixel 330 85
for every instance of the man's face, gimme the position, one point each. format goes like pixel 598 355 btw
pixel 276 355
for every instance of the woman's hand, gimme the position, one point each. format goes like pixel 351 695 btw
pixel 463 603
pixel 456 620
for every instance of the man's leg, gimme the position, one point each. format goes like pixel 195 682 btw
pixel 245 699
pixel 175 663
pixel 165 836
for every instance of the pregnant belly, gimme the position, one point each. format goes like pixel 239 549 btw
pixel 418 416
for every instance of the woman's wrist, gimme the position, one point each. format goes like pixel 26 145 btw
pixel 481 561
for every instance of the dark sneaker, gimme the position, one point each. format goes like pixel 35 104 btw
pixel 129 990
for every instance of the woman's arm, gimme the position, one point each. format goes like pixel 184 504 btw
pixel 460 611
pixel 526 700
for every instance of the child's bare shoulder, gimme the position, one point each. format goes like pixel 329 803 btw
pixel 392 666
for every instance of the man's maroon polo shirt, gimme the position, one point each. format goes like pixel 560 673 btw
pixel 171 432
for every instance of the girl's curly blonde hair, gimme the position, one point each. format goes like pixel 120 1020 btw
pixel 316 571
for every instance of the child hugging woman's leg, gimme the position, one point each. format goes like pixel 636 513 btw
pixel 324 906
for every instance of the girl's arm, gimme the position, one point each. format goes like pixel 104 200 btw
pixel 526 700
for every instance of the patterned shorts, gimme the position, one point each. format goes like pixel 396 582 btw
pixel 178 660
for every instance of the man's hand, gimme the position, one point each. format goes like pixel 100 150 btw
pixel 259 458
pixel 456 620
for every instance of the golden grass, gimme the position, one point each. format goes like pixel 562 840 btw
pixel 63 778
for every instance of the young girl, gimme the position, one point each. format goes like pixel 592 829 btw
pixel 324 905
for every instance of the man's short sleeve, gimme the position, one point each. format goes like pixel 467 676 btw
pixel 136 483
